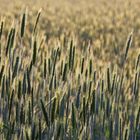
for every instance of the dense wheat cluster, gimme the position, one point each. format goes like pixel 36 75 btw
pixel 70 70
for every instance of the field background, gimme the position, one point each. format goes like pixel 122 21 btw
pixel 88 20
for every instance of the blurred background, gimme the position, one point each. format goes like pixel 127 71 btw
pixel 81 16
pixel 106 21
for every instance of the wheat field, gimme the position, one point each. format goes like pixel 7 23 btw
pixel 70 70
